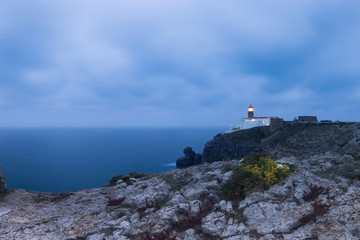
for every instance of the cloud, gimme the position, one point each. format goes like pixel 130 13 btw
pixel 294 95
pixel 185 58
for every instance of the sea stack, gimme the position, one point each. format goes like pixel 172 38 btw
pixel 190 158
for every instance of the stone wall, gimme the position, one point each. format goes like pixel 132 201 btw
pixel 267 141
pixel 276 123
pixel 302 119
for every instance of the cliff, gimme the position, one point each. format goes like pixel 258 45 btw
pixel 234 145
pixel 317 200
pixel 3 187
pixel 300 139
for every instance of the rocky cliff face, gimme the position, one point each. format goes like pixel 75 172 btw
pixel 3 187
pixel 320 200
pixel 234 145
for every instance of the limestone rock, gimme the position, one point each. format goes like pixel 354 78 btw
pixel 214 223
pixel 267 217
pixel 190 234
pixel 234 229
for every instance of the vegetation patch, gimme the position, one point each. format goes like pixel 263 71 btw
pixel 160 236
pixel 314 192
pixel 121 214
pixel 115 202
pixel 254 173
pixel 144 186
pixel 160 202
pixel 226 168
pixel 126 178
pixel 156 205
pixel 188 221
pixel 319 209
pixel 52 197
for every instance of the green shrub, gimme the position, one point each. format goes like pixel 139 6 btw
pixel 254 173
pixel 113 181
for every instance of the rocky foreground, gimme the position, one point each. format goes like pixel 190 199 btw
pixel 189 204
pixel 186 204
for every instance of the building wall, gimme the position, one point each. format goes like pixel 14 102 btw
pixel 250 123
pixel 276 123
pixel 307 119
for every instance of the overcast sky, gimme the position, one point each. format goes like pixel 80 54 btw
pixel 177 63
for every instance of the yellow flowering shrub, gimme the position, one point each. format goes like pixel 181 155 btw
pixel 254 174
pixel 268 171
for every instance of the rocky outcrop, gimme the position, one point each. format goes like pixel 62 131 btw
pixel 301 139
pixel 308 139
pixel 168 202
pixel 3 187
pixel 188 204
pixel 190 158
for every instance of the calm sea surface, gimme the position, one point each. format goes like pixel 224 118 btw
pixel 66 159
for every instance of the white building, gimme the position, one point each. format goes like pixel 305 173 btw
pixel 251 121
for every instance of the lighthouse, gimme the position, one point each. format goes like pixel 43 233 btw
pixel 250 112
pixel 252 121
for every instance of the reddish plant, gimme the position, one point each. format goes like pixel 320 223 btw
pixel 115 201
pixel 218 209
pixel 121 214
pixel 314 192
pixel 148 205
pixel 209 201
pixel 142 209
pixel 319 209
pixel 191 221
pixel 143 186
pixel 160 236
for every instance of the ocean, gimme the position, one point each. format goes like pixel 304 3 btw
pixel 71 159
